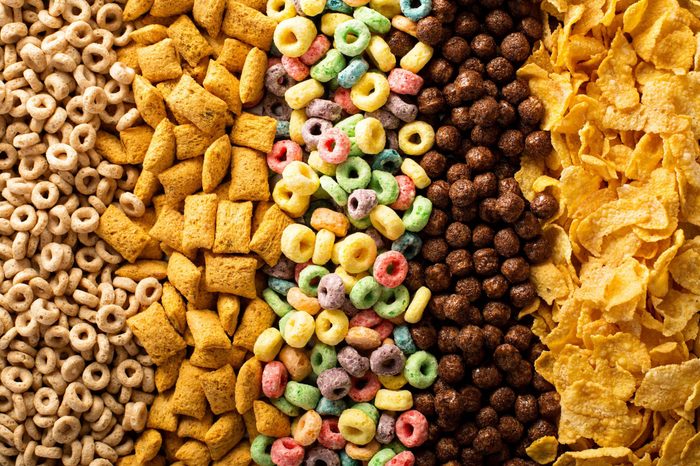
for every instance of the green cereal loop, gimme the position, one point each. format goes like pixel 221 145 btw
pixel 334 190
pixel 353 174
pixel 375 21
pixel 362 223
pixel 308 276
pixel 386 187
pixel 260 450
pixel 355 150
pixel 369 409
pixel 348 124
pixel 285 406
pixel 275 301
pixel 323 357
pixel 351 27
pixel 283 322
pixel 302 395
pixel 365 292
pixel 328 68
pixel 417 216
pixel 397 446
pixel 382 457
pixel 393 302
pixel 420 369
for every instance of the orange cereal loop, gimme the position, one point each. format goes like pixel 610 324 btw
pixel 328 219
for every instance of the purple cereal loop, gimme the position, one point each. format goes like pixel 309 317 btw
pixel 276 107
pixel 361 202
pixel 377 237
pixel 349 309
pixel 353 362
pixel 277 80
pixel 402 110
pixel 387 119
pixel 392 140
pixel 283 269
pixel 387 360
pixel 312 130
pixel 334 383
pixel 323 108
pixel 331 291
pixel 319 455
pixel 386 429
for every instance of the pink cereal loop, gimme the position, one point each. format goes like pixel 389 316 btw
pixel 367 318
pixel 390 269
pixel 407 192
pixel 412 428
pixel 334 146
pixel 405 458
pixel 274 379
pixel 341 96
pixel 282 154
pixel 295 68
pixel 286 452
pixel 404 82
pixel 318 48
pixel 370 386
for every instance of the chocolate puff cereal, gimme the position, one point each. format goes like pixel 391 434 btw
pixel 488 404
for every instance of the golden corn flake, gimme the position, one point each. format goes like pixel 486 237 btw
pixel 543 450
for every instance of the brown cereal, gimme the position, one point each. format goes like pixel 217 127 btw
pixel 217 159
pixel 270 421
pixel 256 132
pixel 248 385
pixel 188 41
pixel 220 82
pixel 121 233
pixel 248 25
pixel 233 227
pixel 166 8
pixel 253 76
pixel 220 389
pixel 233 54
pixel 191 141
pixel 111 148
pixel 135 8
pixel 237 356
pixel 160 340
pixel 209 14
pixel 190 427
pixel 147 445
pixel 161 150
pixel 143 269
pixel 255 4
pixel 168 229
pixel 136 141
pixel 206 111
pixel 238 456
pixel 159 62
pixel 200 221
pixel 230 274
pixel 257 316
pixel 167 372
pixel 149 101
pixel 248 176
pixel 207 331
pixel 184 275
pixel 214 358
pixel 189 398
pixel 149 35
pixel 226 432
pixel 193 453
pixel 228 306
pixel 268 235
pixel 161 415
pixel 182 179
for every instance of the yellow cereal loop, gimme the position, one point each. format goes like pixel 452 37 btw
pixel 301 302
pixel 415 172
pixel 349 280
pixel 380 54
pixel 317 163
pixel 323 249
pixel 331 326
pixel 312 7
pixel 293 36
pixel 268 344
pixel 299 329
pixel 388 8
pixel 387 222
pixel 292 203
pixel 296 122
pixel 300 178
pixel 299 95
pixel 417 57
pixel 416 138
pixel 357 252
pixel 356 3
pixel 279 10
pixel 330 21
pixel 297 242
pixel 393 400
pixel 415 309
pixel 370 136
pixel 392 382
pixel 370 92
pixel 357 427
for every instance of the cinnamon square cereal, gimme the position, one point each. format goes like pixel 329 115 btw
pixel 233 227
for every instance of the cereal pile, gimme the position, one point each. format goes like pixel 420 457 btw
pixel 487 405
pixel 619 297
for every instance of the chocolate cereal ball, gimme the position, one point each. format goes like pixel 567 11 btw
pixel 429 30
pixel 430 101
pixel 456 49
pixel 499 23
pixel 544 206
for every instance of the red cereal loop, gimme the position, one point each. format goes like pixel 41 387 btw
pixel 282 154
pixel 342 98
pixel 274 379
pixel 412 428
pixel 295 68
pixel 317 49
pixel 330 436
pixel 384 329
pixel 404 82
pixel 334 146
pixel 405 458
pixel 286 452
pixel 367 318
pixel 390 269
pixel 298 268
pixel 364 388
pixel 407 192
